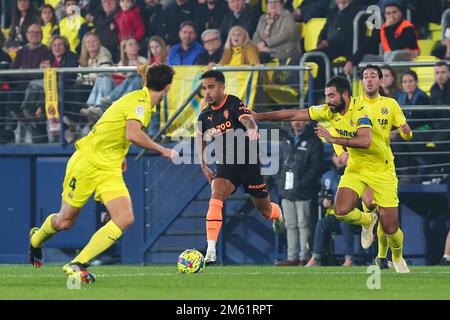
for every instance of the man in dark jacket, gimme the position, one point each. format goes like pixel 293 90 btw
pixel 308 9
pixel 297 183
pixel 213 46
pixel 175 14
pixel 106 28
pixel 440 95
pixel 239 14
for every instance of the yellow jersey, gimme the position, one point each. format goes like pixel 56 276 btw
pixel 106 144
pixel 70 29
pixel 359 115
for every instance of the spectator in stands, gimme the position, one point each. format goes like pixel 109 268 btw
pixel 209 15
pixel 175 14
pixel 33 105
pixel 213 46
pixel 157 50
pixel 5 59
pixel 440 228
pixel 23 17
pixel 239 50
pixel 301 160
pixel 49 24
pixel 329 224
pixel 152 14
pixel 129 21
pixel 440 91
pixel 446 257
pixel 396 33
pixel 93 55
pixel 276 34
pixel 74 26
pixel 336 37
pixel 440 95
pixel 30 56
pixel 389 82
pixel 308 9
pixel 411 94
pixel 129 53
pixel 105 27
pixel 187 51
pixel 239 14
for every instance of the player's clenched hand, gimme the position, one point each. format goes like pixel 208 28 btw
pixel 169 154
pixel 208 173
pixel 323 133
pixel 253 134
pixel 405 128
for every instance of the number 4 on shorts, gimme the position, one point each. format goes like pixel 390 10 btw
pixel 73 184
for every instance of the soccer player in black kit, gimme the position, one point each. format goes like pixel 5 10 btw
pixel 220 121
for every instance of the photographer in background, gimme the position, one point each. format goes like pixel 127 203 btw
pixel 329 224
pixel 301 160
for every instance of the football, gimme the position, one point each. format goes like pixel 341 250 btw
pixel 190 261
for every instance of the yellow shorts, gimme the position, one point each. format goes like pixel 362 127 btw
pixel 82 179
pixel 384 185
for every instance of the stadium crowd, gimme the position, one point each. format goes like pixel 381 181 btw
pixel 98 33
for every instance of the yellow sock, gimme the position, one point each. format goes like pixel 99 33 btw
pixel 356 216
pixel 395 241
pixel 383 245
pixel 104 238
pixel 44 233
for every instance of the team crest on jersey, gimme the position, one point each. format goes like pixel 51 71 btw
pixel 226 114
pixel 210 118
pixel 384 111
pixel 140 111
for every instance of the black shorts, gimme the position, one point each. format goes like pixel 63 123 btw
pixel 249 175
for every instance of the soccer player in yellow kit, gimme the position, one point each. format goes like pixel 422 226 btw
pixel 97 165
pixel 370 161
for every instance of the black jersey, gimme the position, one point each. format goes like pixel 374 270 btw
pixel 221 124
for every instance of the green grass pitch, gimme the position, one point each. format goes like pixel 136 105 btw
pixel 225 282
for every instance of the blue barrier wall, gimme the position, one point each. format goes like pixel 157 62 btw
pixel 170 203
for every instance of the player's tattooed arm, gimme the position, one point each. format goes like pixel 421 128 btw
pixel 200 146
pixel 283 115
pixel 251 126
pixel 362 140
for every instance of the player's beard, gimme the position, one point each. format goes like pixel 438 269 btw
pixel 337 108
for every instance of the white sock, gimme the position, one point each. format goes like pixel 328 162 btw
pixel 211 246
pixel 447 257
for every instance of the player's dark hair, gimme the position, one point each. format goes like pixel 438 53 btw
pixel 217 75
pixel 341 84
pixel 158 76
pixel 442 64
pixel 371 66
pixel 410 73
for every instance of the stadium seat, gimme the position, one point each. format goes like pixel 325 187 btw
pixel 425 74
pixel 435 31
pixel 427 46
pixel 312 30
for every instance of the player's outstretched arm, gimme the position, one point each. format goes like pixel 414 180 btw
pixel 135 135
pixel 362 140
pixel 283 115
pixel 251 126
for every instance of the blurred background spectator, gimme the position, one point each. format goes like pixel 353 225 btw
pixel 129 21
pixel 308 9
pixel 213 46
pixel 23 16
pixel 209 15
pixel 187 51
pixel 239 50
pixel 49 24
pixel 389 83
pixel 175 14
pixel 297 183
pixel 105 26
pixel 239 14
pixel 73 27
pixel 157 50
pixel 276 34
